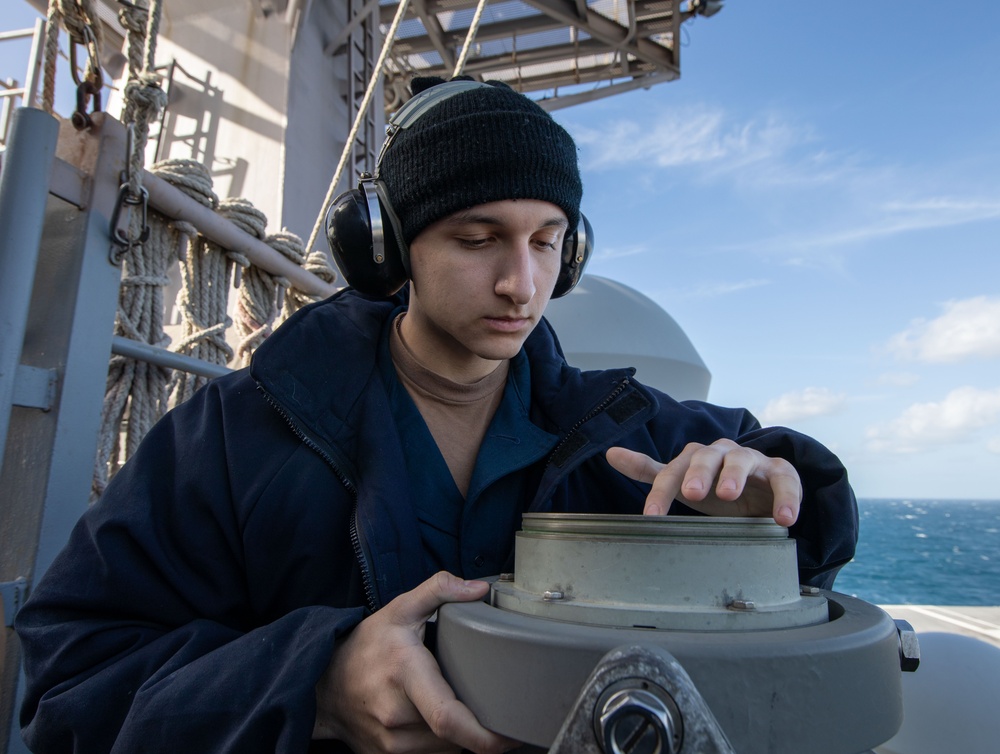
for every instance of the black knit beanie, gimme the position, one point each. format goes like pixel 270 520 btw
pixel 484 145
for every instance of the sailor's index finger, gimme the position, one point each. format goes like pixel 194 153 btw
pixel 634 465
pixel 640 467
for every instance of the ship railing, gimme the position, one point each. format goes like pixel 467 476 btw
pixel 176 205
pixel 12 93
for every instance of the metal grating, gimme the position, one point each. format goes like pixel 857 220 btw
pixel 560 51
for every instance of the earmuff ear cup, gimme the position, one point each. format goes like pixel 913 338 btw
pixel 576 251
pixel 349 233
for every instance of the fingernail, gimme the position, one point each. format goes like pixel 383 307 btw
pixel 694 485
pixel 727 485
pixel 785 512
pixel 654 510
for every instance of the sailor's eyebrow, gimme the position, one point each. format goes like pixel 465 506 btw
pixel 560 222
pixel 472 217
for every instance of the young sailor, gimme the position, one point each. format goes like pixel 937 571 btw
pixel 258 576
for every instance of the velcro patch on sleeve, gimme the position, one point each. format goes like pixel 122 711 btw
pixel 627 406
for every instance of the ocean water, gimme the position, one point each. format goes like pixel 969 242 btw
pixel 926 552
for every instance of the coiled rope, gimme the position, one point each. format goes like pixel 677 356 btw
pixel 205 272
pixel 317 263
pixel 138 392
pixel 137 388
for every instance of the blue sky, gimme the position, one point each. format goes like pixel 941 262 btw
pixel 817 203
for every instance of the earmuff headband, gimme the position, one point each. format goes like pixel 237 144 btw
pixel 416 106
pixel 366 236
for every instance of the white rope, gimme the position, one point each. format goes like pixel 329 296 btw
pixel 50 53
pixel 290 246
pixel 138 389
pixel 205 272
pixel 469 39
pixel 79 17
pixel 144 95
pixel 255 305
pixel 316 263
pixel 362 110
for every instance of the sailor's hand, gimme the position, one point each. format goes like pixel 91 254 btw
pixel 721 479
pixel 383 690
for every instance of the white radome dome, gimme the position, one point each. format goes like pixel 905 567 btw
pixel 604 324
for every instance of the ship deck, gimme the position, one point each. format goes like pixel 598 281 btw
pixel 981 623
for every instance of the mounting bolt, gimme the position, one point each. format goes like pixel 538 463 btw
pixel 909 647
pixel 505 577
pixel 637 721
pixel 12 596
pixel 745 605
pixel 554 594
pixel 808 591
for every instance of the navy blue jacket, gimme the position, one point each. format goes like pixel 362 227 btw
pixel 197 604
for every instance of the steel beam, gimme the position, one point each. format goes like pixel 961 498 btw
pixel 435 32
pixel 49 458
pixel 24 188
pixel 489 32
pixel 643 82
pixel 174 203
pixel 134 349
pixel 606 30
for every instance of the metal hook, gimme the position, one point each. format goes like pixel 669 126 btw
pixel 129 150
pixel 74 69
pixel 120 237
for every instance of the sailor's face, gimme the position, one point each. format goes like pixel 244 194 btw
pixel 481 279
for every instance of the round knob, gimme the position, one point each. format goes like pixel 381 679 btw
pixel 636 721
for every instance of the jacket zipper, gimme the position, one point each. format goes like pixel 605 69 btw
pixel 590 415
pixel 359 553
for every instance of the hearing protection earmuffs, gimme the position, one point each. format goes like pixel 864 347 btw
pixel 365 235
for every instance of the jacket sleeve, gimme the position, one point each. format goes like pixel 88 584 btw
pixel 826 532
pixel 176 618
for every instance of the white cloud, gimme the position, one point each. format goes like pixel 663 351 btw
pixel 898 379
pixel 957 418
pixel 712 290
pixel 994 445
pixel 893 218
pixel 802 404
pixel 616 252
pixel 774 151
pixel 967 329
pixel 693 135
pixel 957 210
pixel 880 220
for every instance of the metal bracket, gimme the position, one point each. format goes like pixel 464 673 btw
pixel 909 646
pixel 647 669
pixel 34 387
pixel 14 593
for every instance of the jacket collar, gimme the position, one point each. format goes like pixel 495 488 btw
pixel 320 362
pixel 301 366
